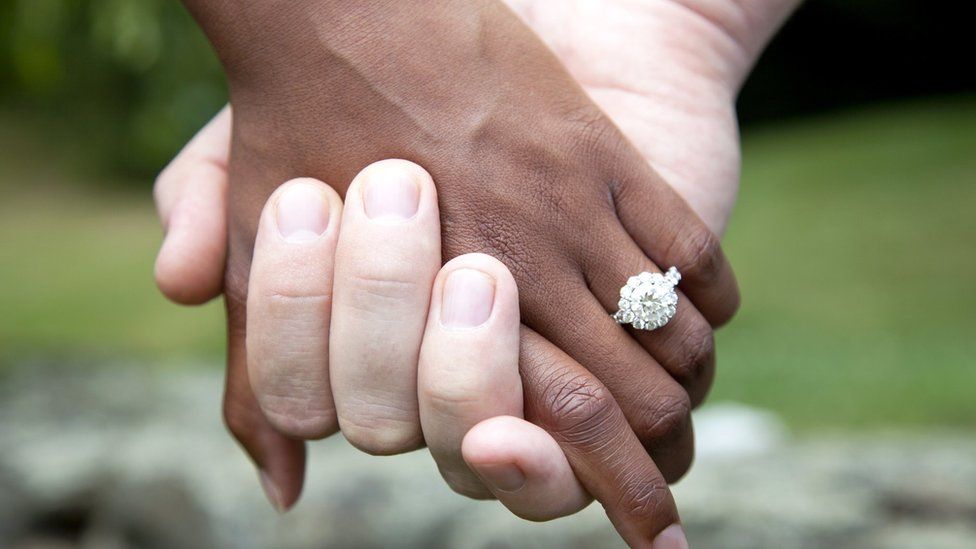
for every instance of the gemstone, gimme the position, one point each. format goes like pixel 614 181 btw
pixel 649 300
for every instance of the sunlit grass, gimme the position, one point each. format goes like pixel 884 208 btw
pixel 853 242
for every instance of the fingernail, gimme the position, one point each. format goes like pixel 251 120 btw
pixel 390 194
pixel 468 298
pixel 271 491
pixel 673 537
pixel 302 213
pixel 506 477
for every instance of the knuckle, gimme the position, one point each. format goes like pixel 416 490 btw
pixel 382 436
pixel 307 422
pixel 235 288
pixel 676 467
pixel 645 498
pixel 667 418
pixel 701 256
pixel 239 421
pixel 734 302
pixel 580 409
pixel 382 291
pixel 695 354
pixel 452 397
pixel 465 484
pixel 591 132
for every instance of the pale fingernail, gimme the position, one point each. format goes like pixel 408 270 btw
pixel 673 537
pixel 303 214
pixel 390 194
pixel 506 477
pixel 271 491
pixel 468 298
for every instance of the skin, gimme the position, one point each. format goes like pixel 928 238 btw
pixel 645 106
pixel 466 380
pixel 291 306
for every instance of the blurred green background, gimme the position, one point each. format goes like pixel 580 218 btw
pixel 853 239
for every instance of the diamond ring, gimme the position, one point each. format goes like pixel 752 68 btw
pixel 648 300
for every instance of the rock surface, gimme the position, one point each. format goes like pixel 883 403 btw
pixel 122 458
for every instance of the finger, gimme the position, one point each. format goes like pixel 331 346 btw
pixel 581 415
pixel 685 346
pixel 657 407
pixel 387 257
pixel 524 467
pixel 280 460
pixel 670 233
pixel 191 199
pixel 289 306
pixel 469 361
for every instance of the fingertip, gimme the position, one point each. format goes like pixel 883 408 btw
pixel 486 442
pixel 304 423
pixel 304 191
pixel 524 468
pixel 330 194
pixel 398 166
pixel 189 268
pixel 672 537
pixel 395 192
pixel 300 211
pixel 511 439
pixel 480 261
pixel 279 460
pixel 506 289
pixel 182 283
pixel 282 475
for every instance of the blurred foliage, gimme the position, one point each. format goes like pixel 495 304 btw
pixel 127 80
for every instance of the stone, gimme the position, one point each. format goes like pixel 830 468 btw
pixel 131 456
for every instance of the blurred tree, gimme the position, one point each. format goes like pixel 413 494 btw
pixel 129 80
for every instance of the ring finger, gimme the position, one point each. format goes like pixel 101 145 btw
pixel 386 260
pixel 684 346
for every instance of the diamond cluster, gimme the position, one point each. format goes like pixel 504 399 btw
pixel 648 301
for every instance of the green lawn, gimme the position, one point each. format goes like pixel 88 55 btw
pixel 854 244
pixel 76 265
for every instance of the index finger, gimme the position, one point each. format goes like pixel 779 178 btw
pixel 579 412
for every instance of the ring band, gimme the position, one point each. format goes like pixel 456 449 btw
pixel 648 301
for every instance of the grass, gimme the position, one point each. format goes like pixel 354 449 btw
pixel 853 243
pixel 76 266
